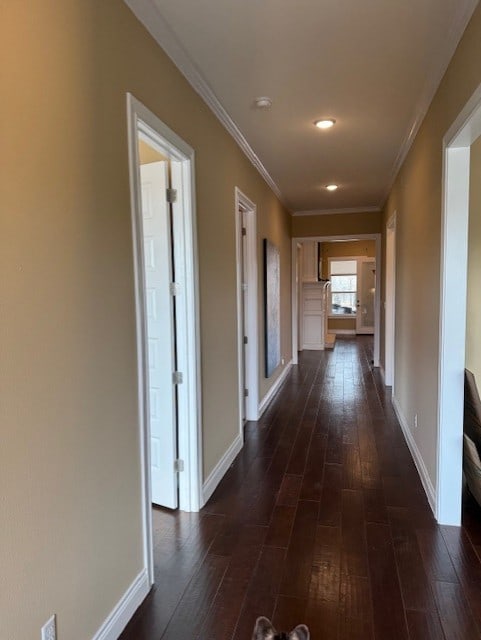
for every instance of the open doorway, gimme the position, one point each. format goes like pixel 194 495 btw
pixel 247 311
pixel 453 312
pixel 163 229
pixel 345 305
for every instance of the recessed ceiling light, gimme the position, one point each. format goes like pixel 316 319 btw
pixel 263 102
pixel 325 123
pixel 332 187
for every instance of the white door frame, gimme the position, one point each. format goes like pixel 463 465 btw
pixel 390 303
pixel 452 318
pixel 360 259
pixel 297 281
pixel 377 295
pixel 142 122
pixel 242 202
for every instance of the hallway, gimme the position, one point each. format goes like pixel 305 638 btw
pixel 321 519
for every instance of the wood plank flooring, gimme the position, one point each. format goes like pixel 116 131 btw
pixel 322 520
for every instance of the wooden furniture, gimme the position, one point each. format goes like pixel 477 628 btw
pixel 472 436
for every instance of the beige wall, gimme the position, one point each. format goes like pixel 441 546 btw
pixel 354 248
pixel 148 154
pixel 341 324
pixel 473 321
pixel 416 196
pixel 336 224
pixel 70 534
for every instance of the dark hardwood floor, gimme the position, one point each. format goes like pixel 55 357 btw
pixel 321 519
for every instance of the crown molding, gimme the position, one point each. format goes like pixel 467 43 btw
pixel 459 24
pixel 149 15
pixel 328 212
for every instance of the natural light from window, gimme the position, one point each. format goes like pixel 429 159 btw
pixel 343 276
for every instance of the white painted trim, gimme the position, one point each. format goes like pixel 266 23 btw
pixel 143 122
pixel 329 212
pixel 377 304
pixel 252 351
pixel 125 608
pixel 220 469
pixel 295 291
pixel 148 12
pixel 141 330
pixel 383 375
pixel 377 300
pixel 390 304
pixel 391 223
pixel 347 237
pixel 416 455
pixel 442 60
pixel 342 332
pixel 452 332
pixel 275 388
pixel 453 306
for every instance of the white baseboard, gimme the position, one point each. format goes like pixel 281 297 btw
pixel 342 332
pixel 274 389
pixel 418 460
pixel 383 375
pixel 125 608
pixel 220 469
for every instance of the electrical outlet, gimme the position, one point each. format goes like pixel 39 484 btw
pixel 416 421
pixel 49 629
pixel 282 361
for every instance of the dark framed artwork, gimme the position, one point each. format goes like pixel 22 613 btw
pixel 272 307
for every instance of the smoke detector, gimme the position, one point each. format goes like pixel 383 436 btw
pixel 263 102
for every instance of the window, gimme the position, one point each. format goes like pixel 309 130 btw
pixel 343 291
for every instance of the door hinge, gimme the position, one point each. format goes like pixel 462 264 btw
pixel 246 339
pixel 171 195
pixel 178 465
pixel 244 231
pixel 177 377
pixel 174 288
pixel 246 393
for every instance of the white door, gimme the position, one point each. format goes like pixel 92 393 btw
pixel 366 288
pixel 246 288
pixel 300 316
pixel 160 332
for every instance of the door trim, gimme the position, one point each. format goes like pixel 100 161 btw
pixel 252 351
pixel 377 296
pixel 390 305
pixel 142 122
pixel 453 306
pixel 360 260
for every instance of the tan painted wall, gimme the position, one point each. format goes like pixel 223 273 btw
pixel 336 224
pixel 345 250
pixel 473 321
pixel 148 154
pixel 416 196
pixel 341 324
pixel 70 534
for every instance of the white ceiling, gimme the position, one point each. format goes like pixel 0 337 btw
pixel 373 65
